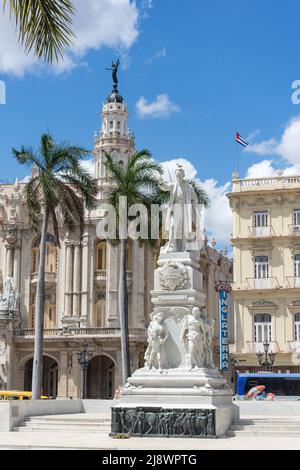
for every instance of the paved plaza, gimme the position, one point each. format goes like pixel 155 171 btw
pixel 88 441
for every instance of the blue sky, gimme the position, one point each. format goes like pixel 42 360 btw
pixel 223 64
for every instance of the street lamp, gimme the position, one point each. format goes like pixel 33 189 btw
pixel 266 359
pixel 84 357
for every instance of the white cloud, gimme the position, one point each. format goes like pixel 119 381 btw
pixel 88 165
pixel 162 107
pixel 158 55
pixel 13 60
pixel 267 147
pixel 218 217
pixel 261 169
pixel 253 135
pixel 288 147
pixel 97 24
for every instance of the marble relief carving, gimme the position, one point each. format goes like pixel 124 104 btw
pixel 142 421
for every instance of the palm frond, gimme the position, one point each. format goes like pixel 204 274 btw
pixel 44 26
pixel 200 193
pixel 26 156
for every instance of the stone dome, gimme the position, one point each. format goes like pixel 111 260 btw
pixel 114 97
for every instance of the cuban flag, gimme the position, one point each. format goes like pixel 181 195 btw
pixel 240 140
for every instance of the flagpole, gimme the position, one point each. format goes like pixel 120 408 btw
pixel 237 155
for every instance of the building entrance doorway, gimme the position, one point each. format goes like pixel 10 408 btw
pixel 50 376
pixel 101 378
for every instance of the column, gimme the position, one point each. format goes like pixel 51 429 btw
pixel 85 277
pixel 69 278
pixel 76 280
pixel 62 388
pixel 112 276
pixel 9 260
pixel 16 269
pixel 136 316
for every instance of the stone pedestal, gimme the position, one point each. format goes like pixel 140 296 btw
pixel 179 392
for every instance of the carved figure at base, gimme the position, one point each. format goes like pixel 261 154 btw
pixel 157 336
pixel 193 337
pixel 209 333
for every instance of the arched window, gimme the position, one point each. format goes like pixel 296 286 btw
pixel 50 311
pixel 261 267
pixel 51 255
pixel 297 266
pixel 297 327
pixel 101 256
pixel 262 327
pixel 100 310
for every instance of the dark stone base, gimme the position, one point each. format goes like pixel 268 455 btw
pixel 163 422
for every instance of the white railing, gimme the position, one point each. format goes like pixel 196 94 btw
pixel 294 230
pixel 49 277
pixel 279 182
pixel 293 281
pixel 294 346
pixel 258 347
pixel 252 283
pixel 261 232
pixel 96 331
pixel 100 274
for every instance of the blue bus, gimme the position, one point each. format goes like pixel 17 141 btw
pixel 279 384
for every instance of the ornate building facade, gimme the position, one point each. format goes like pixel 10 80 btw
pixel 81 286
pixel 266 241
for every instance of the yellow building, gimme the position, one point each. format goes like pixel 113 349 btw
pixel 266 288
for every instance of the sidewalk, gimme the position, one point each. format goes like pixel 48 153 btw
pixel 95 441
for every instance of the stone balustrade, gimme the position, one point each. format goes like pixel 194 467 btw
pixel 253 184
pixel 79 332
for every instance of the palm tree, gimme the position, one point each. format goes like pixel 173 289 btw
pixel 138 182
pixel 44 26
pixel 58 183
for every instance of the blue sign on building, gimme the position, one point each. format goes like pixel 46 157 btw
pixel 224 346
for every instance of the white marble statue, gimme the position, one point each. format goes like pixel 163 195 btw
pixel 9 300
pixel 157 336
pixel 183 218
pixel 193 337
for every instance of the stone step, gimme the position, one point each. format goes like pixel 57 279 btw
pixel 67 422
pixel 266 425
pixel 64 425
pixel 266 421
pixel 261 428
pixel 267 433
pixel 71 423
pixel 101 431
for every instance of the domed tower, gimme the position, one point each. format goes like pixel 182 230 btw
pixel 115 137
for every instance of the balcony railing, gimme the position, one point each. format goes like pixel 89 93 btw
pixel 253 184
pixel 292 281
pixel 294 230
pixel 49 277
pixel 294 346
pixel 258 347
pixel 262 232
pixel 77 332
pixel 252 283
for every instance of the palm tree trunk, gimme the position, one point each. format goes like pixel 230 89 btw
pixel 123 313
pixel 37 372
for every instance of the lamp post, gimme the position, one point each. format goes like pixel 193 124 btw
pixel 266 359
pixel 84 357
